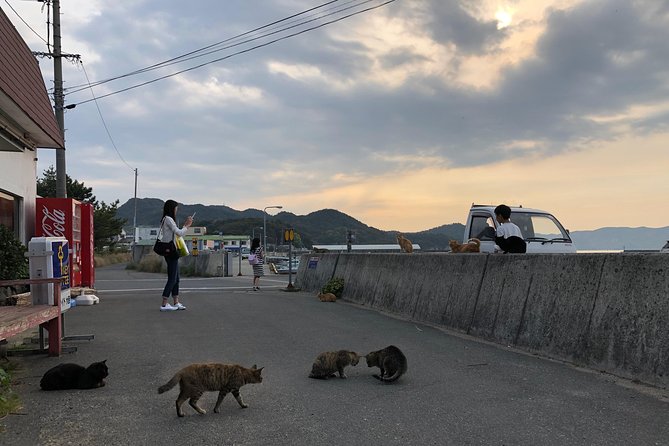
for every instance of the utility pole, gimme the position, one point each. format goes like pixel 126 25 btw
pixel 134 218
pixel 59 101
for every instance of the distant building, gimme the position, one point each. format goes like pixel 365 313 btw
pixel 196 230
pixel 27 121
pixel 147 232
pixel 364 248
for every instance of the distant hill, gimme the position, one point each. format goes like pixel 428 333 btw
pixel 621 238
pixel 329 226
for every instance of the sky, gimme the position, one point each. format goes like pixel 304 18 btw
pixel 401 116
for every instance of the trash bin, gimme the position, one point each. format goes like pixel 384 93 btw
pixel 49 257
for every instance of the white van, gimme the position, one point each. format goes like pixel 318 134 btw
pixel 542 232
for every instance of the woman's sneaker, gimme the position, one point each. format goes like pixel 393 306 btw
pixel 179 306
pixel 168 307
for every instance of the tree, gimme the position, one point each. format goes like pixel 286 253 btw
pixel 46 187
pixel 13 262
pixel 106 225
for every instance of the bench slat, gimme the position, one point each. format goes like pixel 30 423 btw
pixel 14 320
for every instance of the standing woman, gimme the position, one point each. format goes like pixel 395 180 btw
pixel 170 230
pixel 258 270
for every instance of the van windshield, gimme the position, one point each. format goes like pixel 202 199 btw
pixel 539 227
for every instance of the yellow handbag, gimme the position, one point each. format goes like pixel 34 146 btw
pixel 182 249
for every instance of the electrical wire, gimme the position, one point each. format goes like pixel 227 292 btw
pixel 240 52
pixel 104 123
pixel 26 23
pixel 73 90
pixel 174 59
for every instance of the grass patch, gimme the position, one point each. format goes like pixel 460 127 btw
pixel 148 264
pixel 107 259
pixel 9 401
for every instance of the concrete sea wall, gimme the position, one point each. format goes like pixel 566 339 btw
pixel 607 312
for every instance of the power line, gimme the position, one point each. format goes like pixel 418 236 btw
pixel 173 60
pixel 104 123
pixel 238 52
pixel 26 23
pixel 166 64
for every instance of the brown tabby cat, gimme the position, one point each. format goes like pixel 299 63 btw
pixel 327 297
pixel 196 379
pixel 472 245
pixel 390 360
pixel 405 243
pixel 327 363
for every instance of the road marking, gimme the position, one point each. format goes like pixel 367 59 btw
pixel 134 290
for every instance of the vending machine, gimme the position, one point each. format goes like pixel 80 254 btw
pixel 87 246
pixel 61 217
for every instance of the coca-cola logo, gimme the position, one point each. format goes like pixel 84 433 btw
pixel 53 222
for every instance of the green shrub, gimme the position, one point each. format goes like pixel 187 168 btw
pixel 9 401
pixel 334 286
pixel 13 262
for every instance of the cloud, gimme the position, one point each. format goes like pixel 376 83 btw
pixel 334 116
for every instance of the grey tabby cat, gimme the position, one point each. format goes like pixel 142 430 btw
pixel 328 363
pixel 390 360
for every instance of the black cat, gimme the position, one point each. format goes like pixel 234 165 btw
pixel 73 376
pixel 390 360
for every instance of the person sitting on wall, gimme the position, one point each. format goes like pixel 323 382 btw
pixel 508 236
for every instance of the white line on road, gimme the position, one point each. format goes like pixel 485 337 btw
pixel 134 290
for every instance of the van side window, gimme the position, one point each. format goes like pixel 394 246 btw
pixel 482 228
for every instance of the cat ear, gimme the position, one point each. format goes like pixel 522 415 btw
pixel 254 366
pixel 260 370
pixel 104 361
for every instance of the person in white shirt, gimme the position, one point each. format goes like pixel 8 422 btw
pixel 508 236
pixel 170 230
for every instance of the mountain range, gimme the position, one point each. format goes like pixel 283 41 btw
pixel 329 226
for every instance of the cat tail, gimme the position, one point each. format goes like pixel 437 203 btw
pixel 390 379
pixel 171 383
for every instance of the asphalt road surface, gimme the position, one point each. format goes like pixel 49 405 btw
pixel 457 391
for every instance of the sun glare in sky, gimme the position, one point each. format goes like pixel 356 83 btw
pixel 503 17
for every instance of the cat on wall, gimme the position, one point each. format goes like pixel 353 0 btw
pixel 328 363
pixel 472 245
pixel 405 243
pixel 196 379
pixel 390 360
pixel 74 376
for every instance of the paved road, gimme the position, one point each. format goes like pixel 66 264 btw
pixel 457 391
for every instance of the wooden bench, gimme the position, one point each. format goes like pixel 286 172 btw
pixel 16 319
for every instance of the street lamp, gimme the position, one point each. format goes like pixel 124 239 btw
pixel 264 224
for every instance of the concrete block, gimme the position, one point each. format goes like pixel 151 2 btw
pixel 629 330
pixel 451 284
pixel 313 279
pixel 559 304
pixel 504 290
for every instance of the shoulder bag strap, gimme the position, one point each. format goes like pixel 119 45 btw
pixel 160 231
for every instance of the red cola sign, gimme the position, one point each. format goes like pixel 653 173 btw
pixel 53 222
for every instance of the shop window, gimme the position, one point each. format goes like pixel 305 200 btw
pixel 9 212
